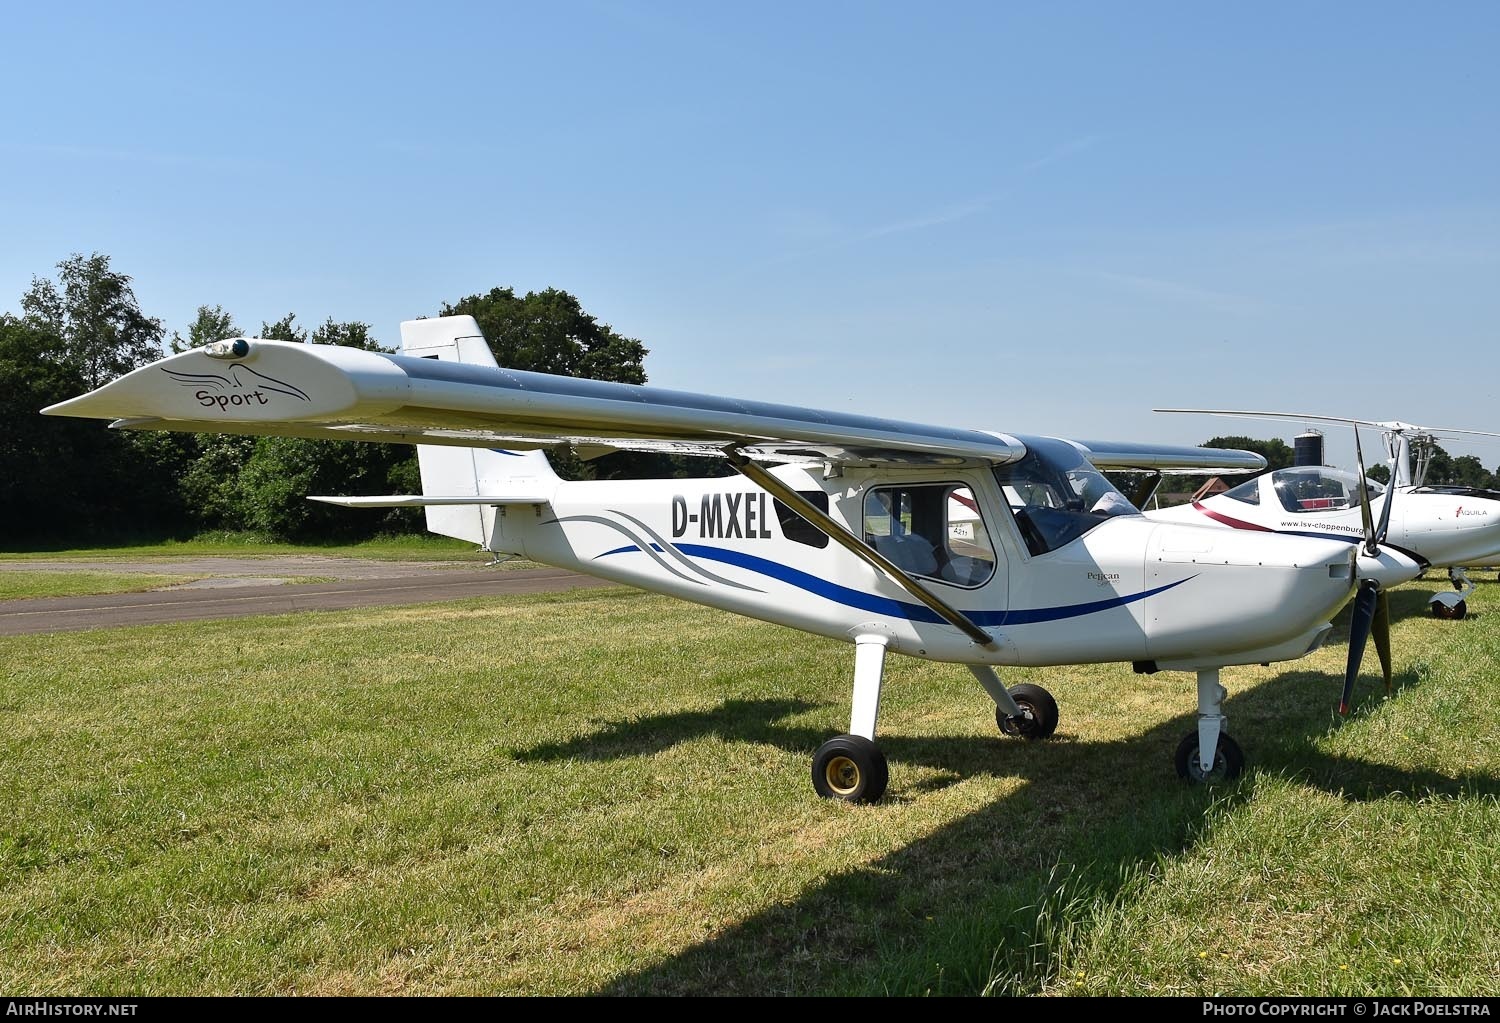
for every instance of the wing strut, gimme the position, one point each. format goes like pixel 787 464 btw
pixel 836 532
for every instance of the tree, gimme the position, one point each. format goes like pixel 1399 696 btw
pixel 350 335
pixel 42 461
pixel 548 332
pixel 1277 453
pixel 284 329
pixel 283 470
pixel 211 324
pixel 210 485
pixel 71 476
pixel 1464 471
pixel 100 330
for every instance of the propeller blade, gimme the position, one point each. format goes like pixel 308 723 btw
pixel 1381 630
pixel 1391 476
pixel 1359 633
pixel 1364 500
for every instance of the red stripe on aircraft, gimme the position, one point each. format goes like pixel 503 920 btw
pixel 1228 521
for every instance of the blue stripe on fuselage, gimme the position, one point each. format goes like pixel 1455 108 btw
pixel 899 608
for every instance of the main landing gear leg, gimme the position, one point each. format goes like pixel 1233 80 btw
pixel 851 767
pixel 1025 710
pixel 1209 754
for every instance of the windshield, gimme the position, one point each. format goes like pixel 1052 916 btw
pixel 1314 488
pixel 1057 495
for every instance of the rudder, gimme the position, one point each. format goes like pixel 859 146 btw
pixel 461 471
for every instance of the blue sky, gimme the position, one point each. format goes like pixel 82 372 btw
pixel 1042 218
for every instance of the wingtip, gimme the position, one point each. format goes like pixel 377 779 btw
pixel 67 408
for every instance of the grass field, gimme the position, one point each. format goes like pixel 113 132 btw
pixel 413 546
pixel 15 585
pixel 607 792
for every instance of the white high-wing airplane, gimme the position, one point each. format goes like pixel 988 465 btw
pixel 1438 526
pixel 840 525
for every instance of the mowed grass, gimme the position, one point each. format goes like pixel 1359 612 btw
pixel 607 792
pixel 16 585
pixel 404 547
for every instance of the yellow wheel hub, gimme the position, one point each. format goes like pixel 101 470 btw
pixel 842 775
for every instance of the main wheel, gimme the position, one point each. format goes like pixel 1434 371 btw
pixel 1038 713
pixel 1451 614
pixel 1228 760
pixel 851 768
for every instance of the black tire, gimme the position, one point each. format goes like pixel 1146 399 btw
pixel 1229 762
pixel 1450 614
pixel 851 768
pixel 1039 710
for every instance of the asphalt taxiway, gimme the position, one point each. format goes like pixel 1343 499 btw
pixel 234 587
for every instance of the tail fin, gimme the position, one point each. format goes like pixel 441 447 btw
pixel 463 471
pixel 449 339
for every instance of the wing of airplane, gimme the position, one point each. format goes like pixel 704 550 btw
pixel 329 392
pixel 277 388
pixel 1390 426
pixel 1115 455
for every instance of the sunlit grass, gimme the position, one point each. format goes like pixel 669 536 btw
pixel 412 546
pixel 605 791
pixel 14 585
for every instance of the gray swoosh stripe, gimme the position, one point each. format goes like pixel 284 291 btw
pixel 632 538
pixel 682 558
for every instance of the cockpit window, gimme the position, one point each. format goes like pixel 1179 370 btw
pixel 1057 495
pixel 1317 488
pixel 931 529
pixel 1248 492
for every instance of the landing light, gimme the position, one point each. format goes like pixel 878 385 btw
pixel 235 349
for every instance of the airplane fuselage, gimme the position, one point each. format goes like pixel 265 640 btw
pixel 1440 529
pixel 1127 590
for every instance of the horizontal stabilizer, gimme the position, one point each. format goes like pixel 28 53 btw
pixel 419 501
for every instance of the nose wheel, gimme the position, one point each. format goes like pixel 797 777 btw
pixel 1453 606
pixel 1228 763
pixel 1449 612
pixel 1209 755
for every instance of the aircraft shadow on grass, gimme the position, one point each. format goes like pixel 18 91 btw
pixel 975 883
pixel 732 721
